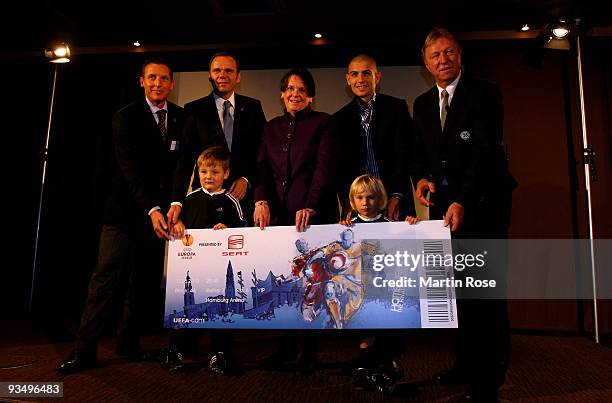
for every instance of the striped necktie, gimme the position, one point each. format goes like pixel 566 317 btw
pixel 161 123
pixel 371 166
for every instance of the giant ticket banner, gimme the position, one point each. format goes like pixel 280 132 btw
pixel 369 276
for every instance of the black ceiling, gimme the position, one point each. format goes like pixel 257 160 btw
pixel 31 26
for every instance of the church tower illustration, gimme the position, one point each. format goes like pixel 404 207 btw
pixel 188 297
pixel 230 291
pixel 230 287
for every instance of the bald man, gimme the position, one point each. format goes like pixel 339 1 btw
pixel 376 134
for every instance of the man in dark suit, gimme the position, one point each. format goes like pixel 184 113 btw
pixel 227 119
pixel 147 136
pixel 460 160
pixel 375 132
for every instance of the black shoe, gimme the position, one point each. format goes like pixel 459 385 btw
pixel 172 359
pixel 452 376
pixel 279 358
pixel 375 378
pixel 360 378
pixel 383 381
pixel 136 354
pixel 398 370
pixel 224 364
pixel 79 360
pixel 307 364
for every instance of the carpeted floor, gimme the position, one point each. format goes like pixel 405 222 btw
pixel 542 369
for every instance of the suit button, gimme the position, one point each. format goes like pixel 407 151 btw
pixel 289 135
pixel 284 184
pixel 285 149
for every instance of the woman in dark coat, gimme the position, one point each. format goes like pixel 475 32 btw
pixel 296 161
pixel 296 165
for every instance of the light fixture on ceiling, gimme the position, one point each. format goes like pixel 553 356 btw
pixel 58 54
pixel 560 29
pixel 557 35
pixel 136 43
pixel 525 27
pixel 318 35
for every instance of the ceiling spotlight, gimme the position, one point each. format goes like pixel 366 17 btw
pixel 318 35
pixel 525 27
pixel 136 43
pixel 58 54
pixel 556 35
pixel 560 29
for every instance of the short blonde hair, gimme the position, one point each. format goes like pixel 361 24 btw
pixel 214 155
pixel 369 183
pixel 435 34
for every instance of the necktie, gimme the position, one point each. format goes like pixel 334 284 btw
pixel 161 123
pixel 371 166
pixel 228 123
pixel 444 108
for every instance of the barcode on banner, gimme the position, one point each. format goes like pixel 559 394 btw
pixel 438 306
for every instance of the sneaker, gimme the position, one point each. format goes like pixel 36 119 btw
pixel 360 378
pixel 218 363
pixel 172 359
pixel 223 363
pixel 383 381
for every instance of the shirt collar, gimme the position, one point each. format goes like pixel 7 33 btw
pixel 368 219
pixel 218 192
pixel 449 88
pixel 154 108
pixel 219 101
pixel 369 104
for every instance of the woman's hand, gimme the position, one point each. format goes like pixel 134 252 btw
pixel 302 218
pixel 261 215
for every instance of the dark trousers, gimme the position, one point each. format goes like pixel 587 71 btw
pixel 122 253
pixel 482 342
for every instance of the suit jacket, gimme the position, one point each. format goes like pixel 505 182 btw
pixel 144 164
pixel 203 129
pixel 391 129
pixel 296 166
pixel 466 160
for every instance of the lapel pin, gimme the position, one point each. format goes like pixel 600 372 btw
pixel 465 135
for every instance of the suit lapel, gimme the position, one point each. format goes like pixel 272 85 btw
pixel 172 134
pixel 433 110
pixel 457 103
pixel 238 110
pixel 212 115
pixel 147 115
pixel 357 128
